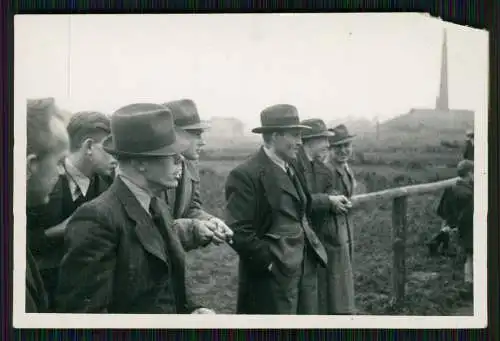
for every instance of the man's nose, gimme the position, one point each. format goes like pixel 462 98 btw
pixel 201 142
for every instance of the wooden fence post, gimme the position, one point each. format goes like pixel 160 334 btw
pixel 399 225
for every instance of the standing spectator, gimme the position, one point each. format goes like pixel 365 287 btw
pixel 185 198
pixel 85 174
pixel 268 208
pixel 337 278
pixel 463 194
pixel 47 146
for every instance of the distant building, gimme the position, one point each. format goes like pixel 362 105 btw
pixel 224 129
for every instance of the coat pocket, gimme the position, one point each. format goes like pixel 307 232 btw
pixel 287 252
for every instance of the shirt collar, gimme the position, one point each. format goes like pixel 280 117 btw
pixel 275 158
pixel 141 194
pixel 76 179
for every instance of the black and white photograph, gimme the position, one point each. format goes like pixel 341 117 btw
pixel 263 170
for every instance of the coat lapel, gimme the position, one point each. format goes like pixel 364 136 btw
pixel 276 183
pixel 176 251
pixel 189 174
pixel 346 182
pixel 146 231
pixel 276 177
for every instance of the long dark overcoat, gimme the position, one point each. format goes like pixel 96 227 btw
pixel 336 282
pixel 265 212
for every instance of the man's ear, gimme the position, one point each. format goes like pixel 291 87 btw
pixel 31 165
pixel 87 146
pixel 140 165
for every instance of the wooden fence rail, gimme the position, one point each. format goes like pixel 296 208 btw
pixel 399 225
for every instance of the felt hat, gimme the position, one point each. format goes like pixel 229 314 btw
pixel 341 135
pixel 279 117
pixel 318 129
pixel 186 115
pixel 144 129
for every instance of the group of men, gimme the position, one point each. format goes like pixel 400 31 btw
pixel 113 205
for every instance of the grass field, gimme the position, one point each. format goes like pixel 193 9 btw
pixel 432 283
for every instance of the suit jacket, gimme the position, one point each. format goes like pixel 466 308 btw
pixel 36 297
pixel 185 199
pixel 117 261
pixel 270 224
pixel 49 251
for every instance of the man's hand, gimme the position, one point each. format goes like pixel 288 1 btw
pixel 222 229
pixel 208 232
pixel 204 311
pixel 340 203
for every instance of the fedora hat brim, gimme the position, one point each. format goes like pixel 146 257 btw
pixel 322 134
pixel 260 130
pixel 196 126
pixel 180 145
pixel 343 140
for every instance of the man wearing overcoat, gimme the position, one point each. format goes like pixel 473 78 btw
pixel 268 208
pixel 185 199
pixel 336 290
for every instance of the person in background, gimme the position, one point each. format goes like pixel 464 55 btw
pixel 338 239
pixel 85 173
pixel 268 208
pixel 123 252
pixel 335 284
pixel 469 146
pixel 441 241
pixel 457 210
pixel 185 198
pixel 47 146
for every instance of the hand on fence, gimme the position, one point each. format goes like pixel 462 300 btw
pixel 340 203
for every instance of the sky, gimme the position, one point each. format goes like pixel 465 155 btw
pixel 233 65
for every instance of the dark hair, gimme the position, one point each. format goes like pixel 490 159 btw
pixel 87 124
pixel 464 167
pixel 40 112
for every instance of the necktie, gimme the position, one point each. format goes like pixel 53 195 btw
pixel 295 182
pixel 155 211
pixel 78 195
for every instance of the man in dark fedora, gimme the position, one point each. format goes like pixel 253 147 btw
pixel 336 291
pixel 47 145
pixel 185 198
pixel 85 174
pixel 268 208
pixel 123 252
